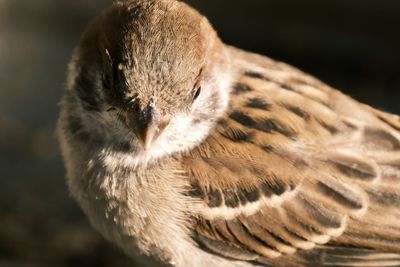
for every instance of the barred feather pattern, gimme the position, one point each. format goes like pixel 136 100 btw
pixel 296 174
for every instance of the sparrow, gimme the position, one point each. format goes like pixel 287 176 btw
pixel 185 151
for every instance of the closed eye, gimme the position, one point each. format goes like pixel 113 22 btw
pixel 196 95
pixel 106 81
pixel 197 85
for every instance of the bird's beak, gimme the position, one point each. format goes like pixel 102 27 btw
pixel 148 124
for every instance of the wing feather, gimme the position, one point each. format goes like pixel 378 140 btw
pixel 291 178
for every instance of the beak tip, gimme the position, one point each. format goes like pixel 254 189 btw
pixel 146 138
pixel 148 133
pixel 146 145
pixel 144 142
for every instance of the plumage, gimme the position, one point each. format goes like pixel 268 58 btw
pixel 257 164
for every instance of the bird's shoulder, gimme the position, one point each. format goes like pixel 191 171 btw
pixel 294 165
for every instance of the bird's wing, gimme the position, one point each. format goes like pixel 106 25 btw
pixel 297 169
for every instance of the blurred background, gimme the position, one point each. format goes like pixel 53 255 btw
pixel 352 45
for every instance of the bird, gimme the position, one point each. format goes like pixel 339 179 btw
pixel 185 151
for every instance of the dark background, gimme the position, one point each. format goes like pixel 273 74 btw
pixel 350 44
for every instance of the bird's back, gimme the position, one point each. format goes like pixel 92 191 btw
pixel 297 173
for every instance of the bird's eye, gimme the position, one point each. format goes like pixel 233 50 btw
pixel 136 107
pixel 106 81
pixel 196 95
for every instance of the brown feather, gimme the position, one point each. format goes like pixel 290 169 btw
pixel 298 174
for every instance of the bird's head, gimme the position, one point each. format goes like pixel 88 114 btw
pixel 150 71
